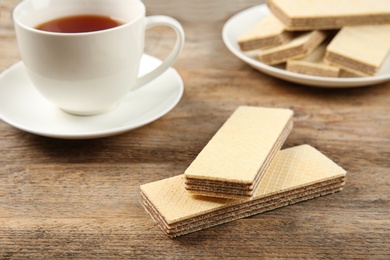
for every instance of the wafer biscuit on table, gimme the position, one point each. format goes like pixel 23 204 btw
pixel 300 46
pixel 296 174
pixel 269 32
pixel 329 14
pixel 313 64
pixel 360 49
pixel 234 160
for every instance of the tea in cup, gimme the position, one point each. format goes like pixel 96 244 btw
pixel 84 56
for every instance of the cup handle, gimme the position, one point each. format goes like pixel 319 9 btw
pixel 161 20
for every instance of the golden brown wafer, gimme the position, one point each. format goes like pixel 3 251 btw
pixel 294 175
pixel 360 49
pixel 269 32
pixel 314 64
pixel 239 153
pixel 301 46
pixel 329 14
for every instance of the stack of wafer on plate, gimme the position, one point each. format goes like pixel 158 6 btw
pixel 241 172
pixel 322 37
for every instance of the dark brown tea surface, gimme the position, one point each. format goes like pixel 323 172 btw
pixel 79 24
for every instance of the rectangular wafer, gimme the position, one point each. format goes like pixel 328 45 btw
pixel 301 46
pixel 360 49
pixel 244 209
pixel 296 174
pixel 234 160
pixel 329 14
pixel 239 214
pixel 269 32
pixel 314 64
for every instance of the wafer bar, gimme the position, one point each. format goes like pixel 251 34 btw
pixel 314 64
pixel 301 46
pixel 214 221
pixel 360 49
pixel 329 14
pixel 296 174
pixel 246 207
pixel 269 32
pixel 234 160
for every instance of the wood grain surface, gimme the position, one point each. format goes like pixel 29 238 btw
pixel 68 199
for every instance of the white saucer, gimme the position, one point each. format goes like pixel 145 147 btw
pixel 24 108
pixel 244 20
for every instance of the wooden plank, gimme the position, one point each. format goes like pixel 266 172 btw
pixel 64 199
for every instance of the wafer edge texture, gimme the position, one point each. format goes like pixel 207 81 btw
pixel 289 160
pixel 268 32
pixel 334 184
pixel 229 190
pixel 361 50
pixel 313 69
pixel 234 205
pixel 334 21
pixel 313 64
pixel 247 128
pixel 292 49
pixel 351 65
pixel 237 215
pixel 241 208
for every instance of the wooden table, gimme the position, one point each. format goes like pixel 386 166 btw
pixel 79 199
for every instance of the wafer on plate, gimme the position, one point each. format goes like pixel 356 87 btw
pixel 296 174
pixel 269 32
pixel 329 14
pixel 360 49
pixel 234 160
pixel 314 64
pixel 301 46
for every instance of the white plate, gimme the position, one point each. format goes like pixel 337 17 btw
pixel 24 108
pixel 244 20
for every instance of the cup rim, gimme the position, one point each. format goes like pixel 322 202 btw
pixel 32 29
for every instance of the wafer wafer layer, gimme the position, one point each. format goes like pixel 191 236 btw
pixel 360 49
pixel 269 32
pixel 296 174
pixel 329 14
pixel 313 64
pixel 300 46
pixel 246 208
pixel 228 217
pixel 234 160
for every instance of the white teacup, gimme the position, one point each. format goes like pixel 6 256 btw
pixel 88 73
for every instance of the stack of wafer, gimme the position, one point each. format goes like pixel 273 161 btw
pixel 301 15
pixel 234 160
pixel 360 47
pixel 299 47
pixel 239 173
pixel 269 32
pixel 295 175
pixel 314 64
